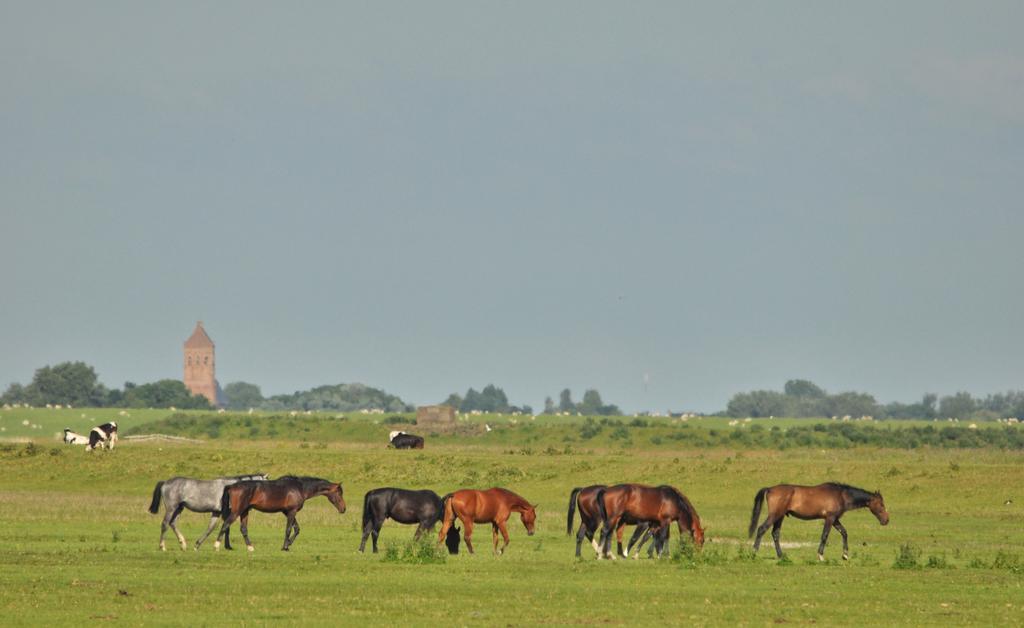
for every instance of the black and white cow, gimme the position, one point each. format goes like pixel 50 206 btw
pixel 401 440
pixel 103 436
pixel 74 438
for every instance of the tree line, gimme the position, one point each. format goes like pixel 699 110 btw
pixel 802 398
pixel 76 384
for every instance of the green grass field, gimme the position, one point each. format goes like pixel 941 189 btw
pixel 77 543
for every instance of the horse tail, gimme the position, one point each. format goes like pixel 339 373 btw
pixel 154 506
pixel 756 514
pixel 572 508
pixel 601 508
pixel 366 509
pixel 447 505
pixel 225 502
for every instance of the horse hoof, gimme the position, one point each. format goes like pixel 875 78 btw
pixel 846 557
pixel 821 558
pixel 216 545
pixel 250 548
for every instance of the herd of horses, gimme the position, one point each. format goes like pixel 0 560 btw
pixel 604 511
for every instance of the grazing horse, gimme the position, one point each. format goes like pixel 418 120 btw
pixel 103 436
pixel 658 506
pixel 493 506
pixel 591 520
pixel 401 440
pixel 286 494
pixel 827 501
pixel 73 438
pixel 196 495
pixel 423 508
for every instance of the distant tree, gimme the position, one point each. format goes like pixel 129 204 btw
pixel 454 400
pixel 852 404
pixel 15 393
pixel 591 403
pixel 342 397
pixel 490 399
pixel 65 383
pixel 930 404
pixel 243 395
pixel 164 393
pixel 757 403
pixel 549 405
pixel 803 388
pixel 958 406
pixel 565 403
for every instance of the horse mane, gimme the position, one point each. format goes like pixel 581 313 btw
pixel 245 477
pixel 520 501
pixel 681 501
pixel 858 496
pixel 308 482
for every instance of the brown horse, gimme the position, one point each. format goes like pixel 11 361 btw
pixel 493 506
pixel 591 520
pixel 827 501
pixel 286 494
pixel 657 506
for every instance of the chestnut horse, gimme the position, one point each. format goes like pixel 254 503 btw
pixel 286 495
pixel 493 506
pixel 591 520
pixel 827 501
pixel 657 506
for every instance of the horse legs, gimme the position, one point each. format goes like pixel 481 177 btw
pixel 224 529
pixel 619 540
pixel 209 529
pixel 761 529
pixel 494 538
pixel 371 528
pixel 243 520
pixel 776 532
pixel 642 534
pixel 467 533
pixel 504 534
pixel 824 538
pixel 842 530
pixel 294 524
pixel 173 519
pixel 169 515
pixel 606 539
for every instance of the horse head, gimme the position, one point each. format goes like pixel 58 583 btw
pixel 697 533
pixel 451 541
pixel 877 507
pixel 529 518
pixel 333 495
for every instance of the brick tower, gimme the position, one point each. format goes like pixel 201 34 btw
pixel 200 377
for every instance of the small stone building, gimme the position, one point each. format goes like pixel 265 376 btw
pixel 435 417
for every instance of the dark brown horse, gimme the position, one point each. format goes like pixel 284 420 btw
pixel 590 520
pixel 657 506
pixel 493 506
pixel 286 494
pixel 827 501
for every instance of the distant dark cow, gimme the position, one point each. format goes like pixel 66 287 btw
pixel 103 436
pixel 401 440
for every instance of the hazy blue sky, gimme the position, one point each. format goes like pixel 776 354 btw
pixel 429 196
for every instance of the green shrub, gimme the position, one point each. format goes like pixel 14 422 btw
pixel 908 557
pixel 422 552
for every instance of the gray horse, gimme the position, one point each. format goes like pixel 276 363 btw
pixel 196 495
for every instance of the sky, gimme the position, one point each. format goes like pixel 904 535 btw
pixel 668 202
